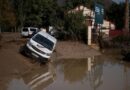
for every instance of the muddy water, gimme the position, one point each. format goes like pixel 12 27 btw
pixel 93 73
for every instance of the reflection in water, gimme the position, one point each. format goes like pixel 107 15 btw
pixel 75 71
pixel 93 73
pixel 126 78
pixel 95 69
pixel 78 74
pixel 42 78
pixel 36 79
pixel 17 84
pixel 79 70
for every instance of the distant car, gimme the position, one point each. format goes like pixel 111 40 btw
pixel 29 31
pixel 40 46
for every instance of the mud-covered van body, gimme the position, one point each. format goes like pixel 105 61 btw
pixel 40 46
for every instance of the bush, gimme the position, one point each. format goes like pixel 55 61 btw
pixel 121 39
pixel 75 26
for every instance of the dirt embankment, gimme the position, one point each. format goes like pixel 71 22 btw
pixel 74 50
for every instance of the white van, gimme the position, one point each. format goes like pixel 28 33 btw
pixel 28 31
pixel 40 46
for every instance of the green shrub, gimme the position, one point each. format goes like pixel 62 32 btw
pixel 75 26
pixel 121 39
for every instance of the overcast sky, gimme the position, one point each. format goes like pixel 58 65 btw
pixel 118 1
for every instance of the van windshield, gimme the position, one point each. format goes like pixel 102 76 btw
pixel 43 41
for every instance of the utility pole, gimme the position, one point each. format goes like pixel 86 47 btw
pixel 99 17
pixel 126 29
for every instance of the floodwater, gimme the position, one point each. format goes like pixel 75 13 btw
pixel 93 73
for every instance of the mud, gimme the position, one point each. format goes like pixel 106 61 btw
pixel 74 50
pixel 74 66
pixel 15 65
pixel 12 63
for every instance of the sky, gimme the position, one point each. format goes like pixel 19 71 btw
pixel 118 1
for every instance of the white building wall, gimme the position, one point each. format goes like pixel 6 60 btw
pixel 87 12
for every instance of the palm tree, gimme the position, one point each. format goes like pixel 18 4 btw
pixel 126 29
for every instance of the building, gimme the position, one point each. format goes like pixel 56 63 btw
pixel 106 26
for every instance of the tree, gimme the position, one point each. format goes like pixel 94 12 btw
pixel 126 29
pixel 40 12
pixel 33 12
pixel 58 19
pixel 7 15
pixel 18 6
pixel 49 12
pixel 75 26
pixel 70 4
pixel 113 14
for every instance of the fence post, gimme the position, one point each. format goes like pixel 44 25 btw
pixel 89 35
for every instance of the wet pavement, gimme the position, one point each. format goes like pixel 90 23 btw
pixel 93 73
